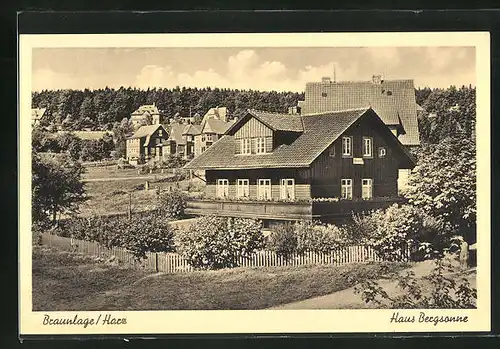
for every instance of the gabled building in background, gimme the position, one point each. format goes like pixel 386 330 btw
pixel 279 167
pixel 37 115
pixel 181 140
pixel 219 113
pixel 145 114
pixel 393 100
pixel 210 131
pixel 146 144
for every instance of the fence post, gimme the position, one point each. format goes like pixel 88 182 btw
pixel 156 261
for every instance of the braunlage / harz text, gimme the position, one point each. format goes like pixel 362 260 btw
pixel 107 319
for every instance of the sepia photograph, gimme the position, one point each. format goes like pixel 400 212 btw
pixel 246 174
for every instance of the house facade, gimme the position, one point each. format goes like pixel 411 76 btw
pixel 210 131
pixel 148 114
pixel 288 167
pixel 146 144
pixel 182 140
pixel 393 100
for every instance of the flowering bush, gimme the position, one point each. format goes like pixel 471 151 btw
pixel 172 204
pixel 283 240
pixel 214 242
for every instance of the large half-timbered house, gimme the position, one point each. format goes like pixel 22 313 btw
pixel 267 165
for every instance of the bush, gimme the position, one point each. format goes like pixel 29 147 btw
pixel 172 204
pixel 283 240
pixel 300 237
pixel 445 291
pixel 144 233
pixel 214 242
pixel 403 226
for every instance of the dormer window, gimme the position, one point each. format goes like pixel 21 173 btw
pixel 331 152
pixel 245 146
pixel 260 145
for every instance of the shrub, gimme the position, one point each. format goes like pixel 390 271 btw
pixel 172 204
pixel 404 226
pixel 214 242
pixel 300 237
pixel 144 233
pixel 283 240
pixel 445 291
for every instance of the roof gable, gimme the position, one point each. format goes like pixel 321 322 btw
pixel 146 130
pixel 275 121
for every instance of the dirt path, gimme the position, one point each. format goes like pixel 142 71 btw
pixel 348 299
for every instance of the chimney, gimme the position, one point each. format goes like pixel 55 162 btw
pixel 326 79
pixel 377 79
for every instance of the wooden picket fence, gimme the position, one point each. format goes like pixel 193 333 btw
pixel 175 263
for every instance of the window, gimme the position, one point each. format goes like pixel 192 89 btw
pixel 331 152
pixel 245 146
pixel 347 146
pixel 324 94
pixel 287 188
pixel 346 189
pixel 366 188
pixel 261 145
pixel 209 138
pixel 381 152
pixel 264 189
pixel 222 188
pixel 160 132
pixel 203 138
pixel 367 147
pixel 242 188
pixel 203 149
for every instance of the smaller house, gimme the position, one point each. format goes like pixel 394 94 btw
pixel 210 131
pixel 37 115
pixel 181 140
pixel 147 114
pixel 146 144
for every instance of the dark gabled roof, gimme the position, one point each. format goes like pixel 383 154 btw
pixel 320 131
pixel 391 99
pixel 176 133
pixel 279 121
pixel 145 131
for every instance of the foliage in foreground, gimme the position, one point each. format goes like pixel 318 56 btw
pixel 216 242
pixel 56 187
pixel 445 291
pixel 171 204
pixel 144 233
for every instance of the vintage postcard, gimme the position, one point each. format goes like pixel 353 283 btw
pixel 254 183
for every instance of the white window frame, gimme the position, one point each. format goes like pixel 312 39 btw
pixel 287 188
pixel 264 188
pixel 367 147
pixel 331 151
pixel 242 188
pixel 210 137
pixel 222 189
pixel 382 152
pixel 246 146
pixel 260 146
pixel 347 146
pixel 366 188
pixel 346 188
pixel 203 138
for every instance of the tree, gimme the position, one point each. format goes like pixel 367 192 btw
pixel 70 143
pixel 56 187
pixel 121 131
pixel 443 184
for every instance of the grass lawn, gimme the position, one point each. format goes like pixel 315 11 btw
pixel 63 281
pixel 113 196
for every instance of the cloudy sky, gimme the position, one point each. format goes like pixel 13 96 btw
pixel 281 69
